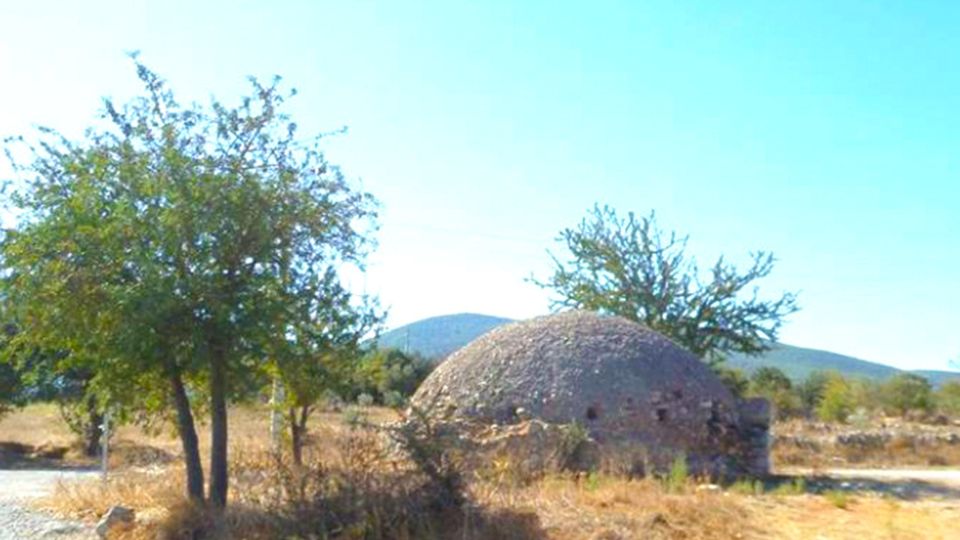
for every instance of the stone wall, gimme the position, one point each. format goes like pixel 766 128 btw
pixel 755 436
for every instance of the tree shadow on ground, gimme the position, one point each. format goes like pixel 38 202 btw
pixel 19 456
pixel 906 489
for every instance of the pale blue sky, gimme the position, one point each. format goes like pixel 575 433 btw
pixel 826 133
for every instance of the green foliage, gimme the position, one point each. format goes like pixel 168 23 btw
pixel 629 267
pixel 797 486
pixel 769 380
pixel 734 379
pixel 811 391
pixel 747 487
pixel 179 245
pixel 774 385
pixel 907 392
pixel 838 401
pixel 839 499
pixel 948 397
pixel 678 477
pixel 383 372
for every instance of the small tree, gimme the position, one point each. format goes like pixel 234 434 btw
pixel 948 397
pixel 837 401
pixel 629 267
pixel 774 385
pixel 810 391
pixel 390 375
pixel 734 379
pixel 905 392
pixel 316 350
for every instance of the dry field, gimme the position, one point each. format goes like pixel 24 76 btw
pixel 350 487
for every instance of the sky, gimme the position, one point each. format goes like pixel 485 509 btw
pixel 824 132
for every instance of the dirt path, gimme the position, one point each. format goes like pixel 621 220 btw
pixel 949 477
pixel 18 521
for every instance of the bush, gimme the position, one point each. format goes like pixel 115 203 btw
pixel 840 499
pixel 676 480
pixel 810 391
pixel 948 398
pixel 837 401
pixel 734 379
pixel 386 374
pixel 905 392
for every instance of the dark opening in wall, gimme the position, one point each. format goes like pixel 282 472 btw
pixel 661 414
pixel 592 413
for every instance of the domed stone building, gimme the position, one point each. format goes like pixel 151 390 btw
pixel 627 385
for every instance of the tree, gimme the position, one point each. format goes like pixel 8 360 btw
pixel 948 397
pixel 810 391
pixel 316 351
pixel 774 385
pixel 905 392
pixel 164 249
pixel 390 375
pixel 734 379
pixel 770 379
pixel 837 401
pixel 629 267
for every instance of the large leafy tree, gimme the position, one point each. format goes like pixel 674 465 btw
pixel 627 266
pixel 165 247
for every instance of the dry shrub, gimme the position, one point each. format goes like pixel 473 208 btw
pixel 356 487
pixel 601 506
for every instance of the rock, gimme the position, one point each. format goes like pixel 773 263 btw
pixel 115 515
pixel 709 488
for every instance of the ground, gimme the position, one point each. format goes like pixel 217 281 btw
pixel 40 475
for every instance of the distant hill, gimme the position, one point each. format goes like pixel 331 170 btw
pixel 437 337
pixel 799 362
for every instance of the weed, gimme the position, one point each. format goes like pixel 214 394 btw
pixel 679 476
pixel 838 498
pixel 797 486
pixel 747 487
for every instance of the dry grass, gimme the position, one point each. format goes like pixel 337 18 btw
pixel 353 489
pixel 817 446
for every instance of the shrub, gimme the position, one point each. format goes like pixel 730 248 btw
pixel 948 398
pixel 837 401
pixel 679 475
pixel 797 486
pixel 840 499
pixel 747 487
pixel 905 392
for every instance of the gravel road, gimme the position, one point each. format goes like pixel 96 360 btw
pixel 19 522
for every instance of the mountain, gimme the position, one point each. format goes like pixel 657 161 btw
pixel 798 362
pixel 437 337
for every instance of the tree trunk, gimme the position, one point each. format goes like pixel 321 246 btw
pixel 296 437
pixel 298 431
pixel 188 438
pixel 94 428
pixel 218 429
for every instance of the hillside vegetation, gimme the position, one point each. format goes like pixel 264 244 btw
pixel 436 337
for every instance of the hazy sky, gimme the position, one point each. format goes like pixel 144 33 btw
pixel 827 134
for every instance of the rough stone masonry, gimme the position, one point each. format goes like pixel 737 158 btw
pixel 627 385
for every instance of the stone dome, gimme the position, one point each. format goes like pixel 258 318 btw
pixel 619 379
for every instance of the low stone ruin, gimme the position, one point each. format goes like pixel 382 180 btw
pixel 633 393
